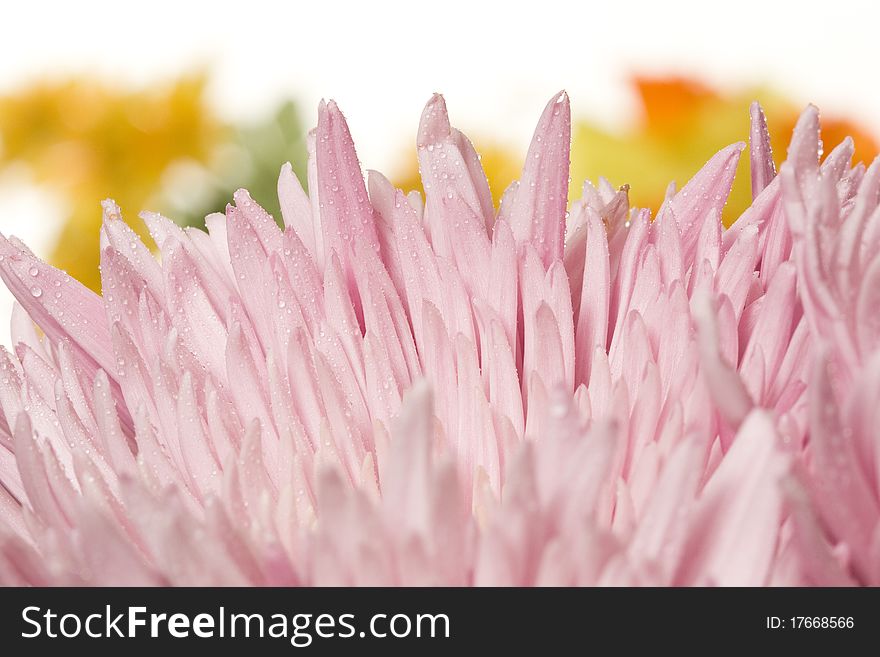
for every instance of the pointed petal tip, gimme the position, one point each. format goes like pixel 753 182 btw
pixel 242 196
pixel 436 103
pixel 730 154
pixel 377 177
pixel 808 118
pixel 560 101
pixel 330 107
pixel 6 247
pixel 805 145
pixel 758 125
pixel 110 210
pixel 434 124
pixel 756 112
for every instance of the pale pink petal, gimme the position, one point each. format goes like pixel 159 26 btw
pixel 592 321
pixel 60 305
pixel 762 165
pixel 800 170
pixel 737 270
pixel 295 207
pixel 625 271
pixel 706 192
pixel 734 533
pixel 841 492
pixel 848 249
pixel 450 167
pixel 202 328
pixel 126 242
pixel 772 332
pixel 867 319
pixel 346 214
pixel 667 239
pixel 727 389
pixel 820 567
pixel 537 213
pixel 660 534
pixel 498 367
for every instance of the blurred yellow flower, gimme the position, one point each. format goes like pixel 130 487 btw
pixel 502 166
pixel 682 124
pixel 90 140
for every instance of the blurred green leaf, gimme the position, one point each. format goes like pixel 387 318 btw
pixel 253 160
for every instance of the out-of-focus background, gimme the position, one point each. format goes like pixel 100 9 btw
pixel 171 106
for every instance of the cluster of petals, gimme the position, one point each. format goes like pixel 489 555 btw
pixel 405 390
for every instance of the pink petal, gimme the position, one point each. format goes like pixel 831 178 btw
pixel 727 389
pixel 60 305
pixel 706 192
pixel 800 170
pixel 537 212
pixel 592 323
pixel 296 208
pixel 737 270
pixel 736 528
pixel 450 165
pixel 841 492
pixel 126 242
pixel 850 245
pixel 762 165
pixel 346 214
pixel 772 332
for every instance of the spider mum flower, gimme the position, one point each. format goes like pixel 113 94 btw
pixel 400 391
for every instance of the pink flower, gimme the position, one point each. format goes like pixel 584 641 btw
pixel 403 391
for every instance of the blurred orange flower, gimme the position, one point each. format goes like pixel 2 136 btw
pixel 683 124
